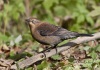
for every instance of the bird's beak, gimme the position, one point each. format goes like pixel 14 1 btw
pixel 27 20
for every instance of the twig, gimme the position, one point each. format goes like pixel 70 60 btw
pixel 27 4
pixel 40 56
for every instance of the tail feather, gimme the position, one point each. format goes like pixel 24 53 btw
pixel 85 35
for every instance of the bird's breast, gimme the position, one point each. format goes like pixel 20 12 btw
pixel 47 40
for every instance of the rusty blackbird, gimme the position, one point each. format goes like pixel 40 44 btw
pixel 49 34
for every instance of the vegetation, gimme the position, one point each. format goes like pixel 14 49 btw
pixel 82 16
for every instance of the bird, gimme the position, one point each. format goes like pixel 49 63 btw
pixel 49 34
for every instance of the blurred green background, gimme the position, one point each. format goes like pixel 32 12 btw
pixel 76 15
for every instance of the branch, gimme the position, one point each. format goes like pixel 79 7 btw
pixel 40 56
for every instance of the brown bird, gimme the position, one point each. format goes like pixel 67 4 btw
pixel 49 34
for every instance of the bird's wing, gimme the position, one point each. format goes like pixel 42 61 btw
pixel 46 29
pixel 64 33
pixel 52 30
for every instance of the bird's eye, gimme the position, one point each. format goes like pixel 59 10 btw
pixel 34 21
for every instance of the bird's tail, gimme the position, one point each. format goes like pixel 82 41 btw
pixel 85 35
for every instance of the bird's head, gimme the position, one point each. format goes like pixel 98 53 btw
pixel 32 21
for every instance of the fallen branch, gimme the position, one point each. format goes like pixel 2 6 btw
pixel 40 56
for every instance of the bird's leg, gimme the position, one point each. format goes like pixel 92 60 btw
pixel 48 49
pixel 52 47
pixel 55 46
pixel 44 52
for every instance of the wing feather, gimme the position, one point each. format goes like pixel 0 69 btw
pixel 46 29
pixel 52 30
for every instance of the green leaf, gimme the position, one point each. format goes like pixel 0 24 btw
pixel 50 20
pixel 80 18
pixel 87 48
pixel 95 12
pixel 29 68
pixel 44 66
pixel 89 20
pixel 71 59
pixel 93 54
pixel 27 36
pixel 98 48
pixel 48 3
pixel 60 11
pixel 22 7
pixel 69 67
pixel 82 9
pixel 75 14
pixel 62 43
pixel 56 57
pixel 3 37
pixel 16 16
pixel 12 53
pixel 88 63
